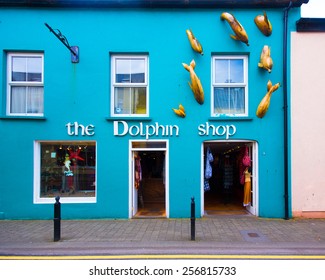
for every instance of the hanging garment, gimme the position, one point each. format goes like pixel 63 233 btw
pixel 247 188
pixel 206 185
pixel 244 162
pixel 246 159
pixel 208 169
pixel 137 172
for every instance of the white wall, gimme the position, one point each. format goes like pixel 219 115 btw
pixel 308 124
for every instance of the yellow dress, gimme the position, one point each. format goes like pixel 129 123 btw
pixel 247 188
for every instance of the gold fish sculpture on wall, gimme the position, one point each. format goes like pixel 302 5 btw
pixel 180 111
pixel 265 103
pixel 263 24
pixel 240 33
pixel 195 84
pixel 266 61
pixel 195 44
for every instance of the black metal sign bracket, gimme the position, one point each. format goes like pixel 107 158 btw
pixel 74 50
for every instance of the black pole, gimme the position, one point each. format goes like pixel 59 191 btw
pixel 285 112
pixel 192 219
pixel 57 219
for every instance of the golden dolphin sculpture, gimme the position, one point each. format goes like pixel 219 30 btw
pixel 266 61
pixel 263 24
pixel 240 33
pixel 265 103
pixel 195 44
pixel 195 84
pixel 180 111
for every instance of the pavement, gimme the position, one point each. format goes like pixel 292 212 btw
pixel 228 235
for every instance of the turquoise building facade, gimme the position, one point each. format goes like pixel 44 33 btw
pixel 97 128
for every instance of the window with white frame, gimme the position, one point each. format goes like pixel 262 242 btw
pixel 25 84
pixel 130 94
pixel 229 86
pixel 66 169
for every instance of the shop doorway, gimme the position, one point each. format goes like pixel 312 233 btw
pixel 224 192
pixel 149 180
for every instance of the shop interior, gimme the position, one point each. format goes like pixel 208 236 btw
pixel 224 191
pixel 151 191
pixel 226 188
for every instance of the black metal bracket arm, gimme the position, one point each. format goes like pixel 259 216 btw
pixel 74 50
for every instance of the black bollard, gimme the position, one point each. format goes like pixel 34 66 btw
pixel 192 219
pixel 57 219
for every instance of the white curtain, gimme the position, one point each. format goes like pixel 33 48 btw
pixel 229 100
pixel 28 100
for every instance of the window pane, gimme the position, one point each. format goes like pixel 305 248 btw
pixel 68 169
pixel 26 69
pixel 19 69
pixel 34 69
pixel 130 70
pixel 229 100
pixel 139 100
pixel 221 101
pixel 237 100
pixel 18 100
pixel 122 101
pixel 137 71
pixel 236 74
pixel 130 100
pixel 35 100
pixel 148 144
pixel 26 100
pixel 229 71
pixel 122 71
pixel 221 71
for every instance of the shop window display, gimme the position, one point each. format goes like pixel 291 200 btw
pixel 68 169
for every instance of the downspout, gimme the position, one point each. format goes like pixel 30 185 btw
pixel 285 111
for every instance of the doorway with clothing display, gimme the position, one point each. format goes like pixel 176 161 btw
pixel 229 178
pixel 149 179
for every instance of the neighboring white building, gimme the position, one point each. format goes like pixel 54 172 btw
pixel 307 118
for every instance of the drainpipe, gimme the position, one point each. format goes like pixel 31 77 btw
pixel 285 111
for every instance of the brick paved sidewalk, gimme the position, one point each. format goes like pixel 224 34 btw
pixel 224 231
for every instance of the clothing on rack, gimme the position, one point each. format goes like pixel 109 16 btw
pixel 208 169
pixel 137 172
pixel 245 161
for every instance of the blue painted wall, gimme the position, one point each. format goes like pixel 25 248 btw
pixel 81 92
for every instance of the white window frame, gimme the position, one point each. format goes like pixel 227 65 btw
pixel 228 85
pixel 37 178
pixel 114 84
pixel 11 83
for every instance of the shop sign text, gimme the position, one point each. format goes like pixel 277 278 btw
pixel 208 129
pixel 75 128
pixel 122 128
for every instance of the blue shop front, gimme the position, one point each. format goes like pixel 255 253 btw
pixel 131 109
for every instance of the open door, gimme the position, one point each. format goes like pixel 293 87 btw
pixel 136 179
pixel 223 193
pixel 252 151
pixel 149 183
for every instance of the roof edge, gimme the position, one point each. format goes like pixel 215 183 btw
pixel 153 3
pixel 311 25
